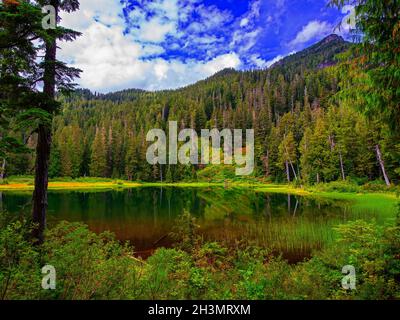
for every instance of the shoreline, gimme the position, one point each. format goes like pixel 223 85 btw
pixel 103 184
pixel 69 186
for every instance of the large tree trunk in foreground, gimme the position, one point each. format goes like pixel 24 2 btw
pixel 43 149
pixel 382 164
pixel 41 183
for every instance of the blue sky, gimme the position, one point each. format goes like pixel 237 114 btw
pixel 166 44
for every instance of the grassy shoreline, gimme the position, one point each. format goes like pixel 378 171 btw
pixel 70 185
pixel 26 184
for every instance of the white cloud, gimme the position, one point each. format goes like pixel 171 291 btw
pixel 175 73
pixel 154 30
pixel 104 10
pixel 246 37
pixel 230 60
pixel 258 61
pixel 349 21
pixel 245 40
pixel 112 60
pixel 274 60
pixel 314 29
pixel 161 69
pixel 252 14
pixel 261 63
pixel 244 22
pixel 163 22
pixel 209 19
pixel 168 8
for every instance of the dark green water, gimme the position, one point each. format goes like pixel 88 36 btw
pixel 291 225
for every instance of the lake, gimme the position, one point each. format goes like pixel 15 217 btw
pixel 290 225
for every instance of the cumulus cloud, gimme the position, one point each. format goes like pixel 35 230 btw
pixel 165 44
pixel 230 60
pixel 113 57
pixel 314 29
pixel 155 30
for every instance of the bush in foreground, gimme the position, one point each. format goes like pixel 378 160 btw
pixel 91 266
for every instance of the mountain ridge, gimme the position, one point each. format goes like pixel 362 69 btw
pixel 321 54
pixel 331 45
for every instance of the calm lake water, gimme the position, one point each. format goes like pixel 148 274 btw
pixel 291 225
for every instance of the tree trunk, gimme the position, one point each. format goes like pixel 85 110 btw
pixel 341 165
pixel 41 183
pixel 333 146
pixel 294 171
pixel 266 163
pixel 382 164
pixel 3 169
pixel 291 164
pixel 43 147
pixel 295 207
pixel 287 170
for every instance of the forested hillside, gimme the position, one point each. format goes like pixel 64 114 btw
pixel 302 132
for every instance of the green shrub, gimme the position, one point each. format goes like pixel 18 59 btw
pixel 20 179
pixel 376 186
pixel 372 250
pixel 91 266
pixel 88 266
pixel 166 275
pixel 338 186
pixel 19 260
pixel 222 173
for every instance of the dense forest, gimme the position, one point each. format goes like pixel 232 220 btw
pixel 303 131
pixel 326 114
